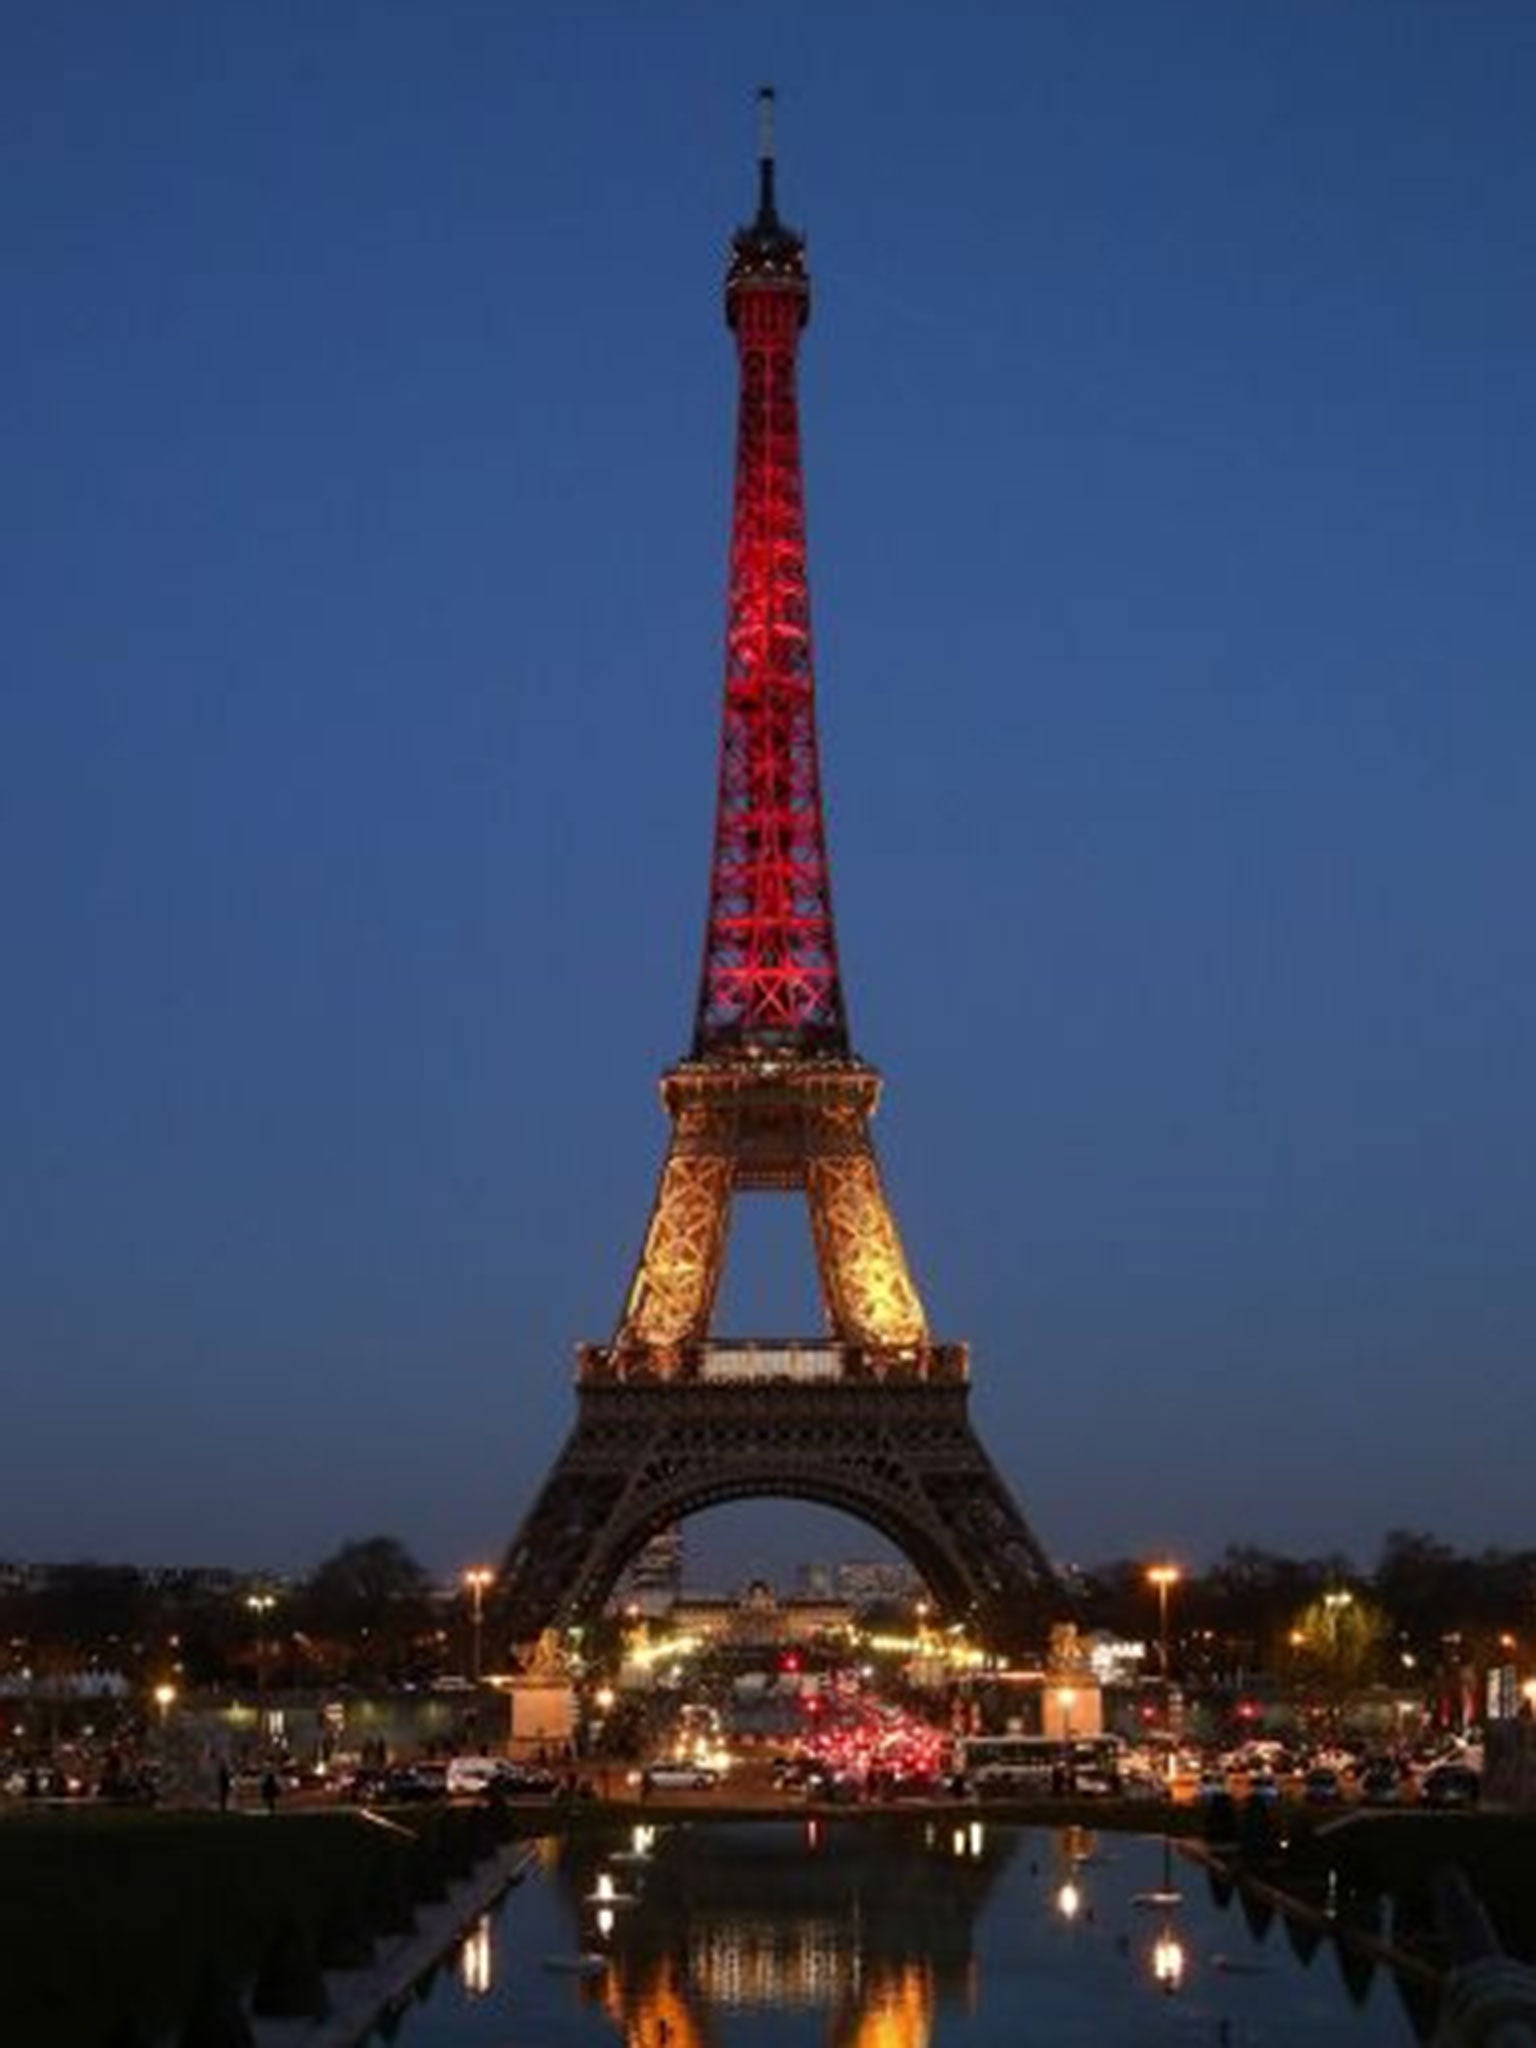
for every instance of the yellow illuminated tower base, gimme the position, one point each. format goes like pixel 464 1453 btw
pixel 781 1125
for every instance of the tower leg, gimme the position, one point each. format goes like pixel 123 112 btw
pixel 672 1296
pixel 866 1282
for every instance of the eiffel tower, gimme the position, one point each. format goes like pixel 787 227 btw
pixel 871 1418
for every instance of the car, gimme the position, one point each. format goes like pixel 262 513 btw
pixel 1381 1782
pixel 409 1784
pixel 789 1773
pixel 1451 1785
pixel 523 1781
pixel 1093 1782
pixel 1322 1786
pixel 680 1777
pixel 825 1784
pixel 470 1775
pixel 251 1780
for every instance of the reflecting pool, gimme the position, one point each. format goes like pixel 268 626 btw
pixel 875 1934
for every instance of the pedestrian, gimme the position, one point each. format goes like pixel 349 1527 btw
pixel 269 1791
pixel 226 1784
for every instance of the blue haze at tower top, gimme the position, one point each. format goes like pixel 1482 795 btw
pixel 1169 403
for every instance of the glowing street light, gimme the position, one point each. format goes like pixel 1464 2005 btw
pixel 1334 1604
pixel 165 1699
pixel 477 1578
pixel 261 1605
pixel 1163 1577
pixel 921 1611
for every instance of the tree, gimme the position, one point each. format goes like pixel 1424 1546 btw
pixel 370 1598
pixel 1339 1642
pixel 1425 1583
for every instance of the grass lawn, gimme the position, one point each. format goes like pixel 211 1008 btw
pixel 107 1912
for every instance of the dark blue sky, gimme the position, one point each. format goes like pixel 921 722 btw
pixel 1170 406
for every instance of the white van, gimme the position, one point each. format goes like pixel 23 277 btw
pixel 470 1776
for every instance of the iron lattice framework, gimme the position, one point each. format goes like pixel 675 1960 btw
pixel 900 1457
pixel 773 1098
pixel 783 1124
pixel 770 976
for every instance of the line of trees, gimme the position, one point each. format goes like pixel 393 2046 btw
pixel 1425 1607
pixel 368 1614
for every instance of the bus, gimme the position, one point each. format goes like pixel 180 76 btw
pixel 1084 1764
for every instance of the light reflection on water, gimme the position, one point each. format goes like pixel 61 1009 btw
pixel 477 1959
pixel 900 1934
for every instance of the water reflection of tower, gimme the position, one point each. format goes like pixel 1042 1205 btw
pixel 872 1925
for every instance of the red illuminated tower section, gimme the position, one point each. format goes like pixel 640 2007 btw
pixel 770 979
pixel 772 1097
pixel 869 1414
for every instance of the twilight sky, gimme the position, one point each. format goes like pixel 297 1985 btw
pixel 1170 415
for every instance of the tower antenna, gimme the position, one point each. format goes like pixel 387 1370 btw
pixel 767 212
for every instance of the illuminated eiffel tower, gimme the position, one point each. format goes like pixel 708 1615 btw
pixel 873 1418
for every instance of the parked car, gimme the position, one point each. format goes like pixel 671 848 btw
pixel 822 1782
pixel 408 1784
pixel 469 1776
pixel 680 1777
pixel 1451 1785
pixel 1381 1782
pixel 523 1781
pixel 1322 1786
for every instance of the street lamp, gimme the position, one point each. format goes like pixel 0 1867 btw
pixel 165 1699
pixel 261 1605
pixel 1334 1605
pixel 1163 1576
pixel 477 1578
